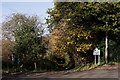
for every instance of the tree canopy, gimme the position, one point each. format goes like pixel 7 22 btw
pixel 26 32
pixel 83 24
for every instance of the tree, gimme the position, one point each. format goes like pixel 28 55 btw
pixel 108 15
pixel 27 33
pixel 75 43
pixel 70 39
pixel 93 16
pixel 6 52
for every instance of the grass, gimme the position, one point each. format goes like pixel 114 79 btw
pixel 90 66
pixel 17 70
pixel 39 70
pixel 113 63
pixel 86 67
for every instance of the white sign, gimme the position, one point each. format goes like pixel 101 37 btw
pixel 96 51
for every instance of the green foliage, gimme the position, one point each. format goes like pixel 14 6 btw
pixel 114 51
pixel 76 27
pixel 87 14
pixel 81 24
pixel 27 35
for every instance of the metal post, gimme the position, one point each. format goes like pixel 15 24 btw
pixel 98 59
pixel 95 59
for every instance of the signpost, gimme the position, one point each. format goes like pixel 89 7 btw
pixel 96 52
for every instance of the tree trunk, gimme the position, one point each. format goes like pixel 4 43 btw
pixel 36 59
pixel 35 65
pixel 106 48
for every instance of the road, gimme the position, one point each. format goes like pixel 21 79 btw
pixel 104 73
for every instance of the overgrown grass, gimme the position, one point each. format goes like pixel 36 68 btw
pixel 14 70
pixel 90 66
pixel 87 67
pixel 40 70
pixel 84 67
pixel 11 70
pixel 113 63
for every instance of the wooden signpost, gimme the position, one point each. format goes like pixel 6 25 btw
pixel 96 52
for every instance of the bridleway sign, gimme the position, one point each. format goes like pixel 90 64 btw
pixel 96 52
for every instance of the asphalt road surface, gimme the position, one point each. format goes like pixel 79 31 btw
pixel 104 73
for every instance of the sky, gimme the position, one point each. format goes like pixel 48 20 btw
pixel 28 8
pixel 26 0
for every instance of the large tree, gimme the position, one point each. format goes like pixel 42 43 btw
pixel 94 16
pixel 26 32
pixel 72 38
